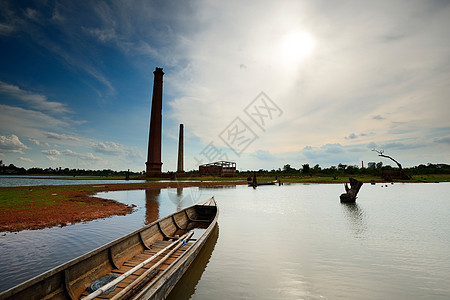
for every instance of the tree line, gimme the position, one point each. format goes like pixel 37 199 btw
pixel 13 170
pixel 303 170
pixel 376 169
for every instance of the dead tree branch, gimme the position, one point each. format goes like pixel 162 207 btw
pixel 403 175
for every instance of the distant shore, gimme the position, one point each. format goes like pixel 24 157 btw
pixel 25 208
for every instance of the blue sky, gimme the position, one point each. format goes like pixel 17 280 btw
pixel 261 83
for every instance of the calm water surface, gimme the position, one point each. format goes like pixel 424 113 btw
pixel 8 181
pixel 279 242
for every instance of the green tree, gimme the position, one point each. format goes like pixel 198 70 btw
pixel 351 170
pixel 342 167
pixel 305 168
pixel 316 169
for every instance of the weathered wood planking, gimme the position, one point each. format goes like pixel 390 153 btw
pixel 70 280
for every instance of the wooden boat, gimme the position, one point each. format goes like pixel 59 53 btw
pixel 254 183
pixel 145 264
pixel 263 183
pixel 186 286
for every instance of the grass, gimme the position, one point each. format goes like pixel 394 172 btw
pixel 43 206
pixel 431 178
pixel 23 199
pixel 35 197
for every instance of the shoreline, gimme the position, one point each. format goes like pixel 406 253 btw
pixel 38 207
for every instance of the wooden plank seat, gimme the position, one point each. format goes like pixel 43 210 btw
pixel 139 258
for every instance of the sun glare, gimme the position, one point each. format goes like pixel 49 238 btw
pixel 296 46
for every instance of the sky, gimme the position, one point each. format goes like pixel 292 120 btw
pixel 261 83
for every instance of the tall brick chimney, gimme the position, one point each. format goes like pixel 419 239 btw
pixel 154 164
pixel 180 150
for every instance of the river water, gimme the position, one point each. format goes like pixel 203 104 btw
pixel 10 181
pixel 294 241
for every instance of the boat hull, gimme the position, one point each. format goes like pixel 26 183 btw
pixel 70 280
pixel 161 288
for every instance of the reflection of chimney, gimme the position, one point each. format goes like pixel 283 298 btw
pixel 153 164
pixel 151 205
pixel 179 197
pixel 180 150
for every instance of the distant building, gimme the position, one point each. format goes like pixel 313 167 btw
pixel 371 165
pixel 218 168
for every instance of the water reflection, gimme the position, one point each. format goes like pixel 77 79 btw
pixel 222 187
pixel 151 205
pixel 154 201
pixel 183 197
pixel 356 217
pixel 187 284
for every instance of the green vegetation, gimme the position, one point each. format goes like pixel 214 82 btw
pixel 341 172
pixel 317 178
pixel 305 173
pixel 34 197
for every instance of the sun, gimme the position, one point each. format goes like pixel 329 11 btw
pixel 296 46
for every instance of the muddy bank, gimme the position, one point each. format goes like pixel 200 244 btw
pixel 23 208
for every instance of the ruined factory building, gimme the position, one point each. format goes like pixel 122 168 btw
pixel 218 168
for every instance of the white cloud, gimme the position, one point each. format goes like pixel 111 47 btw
pixel 378 73
pixel 10 21
pixel 88 156
pixel 112 148
pixel 11 143
pixel 29 123
pixel 35 141
pixel 332 154
pixel 52 158
pixel 32 14
pixel 370 67
pixel 72 53
pixel 6 29
pixel 51 152
pixel 69 152
pixel 61 137
pixel 108 148
pixel 144 48
pixel 104 35
pixel 26 159
pixel 56 16
pixel 35 101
